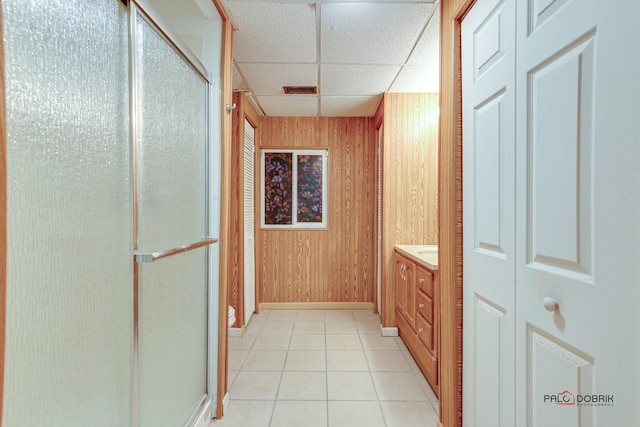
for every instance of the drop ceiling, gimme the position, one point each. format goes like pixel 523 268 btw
pixel 352 51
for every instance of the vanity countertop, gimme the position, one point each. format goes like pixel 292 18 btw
pixel 427 255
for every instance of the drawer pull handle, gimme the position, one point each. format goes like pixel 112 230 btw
pixel 421 305
pixel 421 280
pixel 420 330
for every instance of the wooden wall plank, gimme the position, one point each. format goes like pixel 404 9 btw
pixel 225 203
pixel 235 272
pixel 410 176
pixel 244 110
pixel 450 204
pixel 338 264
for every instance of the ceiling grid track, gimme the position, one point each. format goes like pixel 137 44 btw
pixel 250 94
pixel 353 52
pixel 319 53
pixel 436 4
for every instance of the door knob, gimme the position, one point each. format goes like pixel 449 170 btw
pixel 550 304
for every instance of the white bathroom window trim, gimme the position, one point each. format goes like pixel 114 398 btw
pixel 295 224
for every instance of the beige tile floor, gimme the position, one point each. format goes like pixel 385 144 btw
pixel 324 368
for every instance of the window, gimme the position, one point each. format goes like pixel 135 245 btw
pixel 294 188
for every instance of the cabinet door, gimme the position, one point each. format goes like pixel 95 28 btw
pixel 398 280
pixel 410 293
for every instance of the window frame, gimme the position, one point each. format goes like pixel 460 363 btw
pixel 295 152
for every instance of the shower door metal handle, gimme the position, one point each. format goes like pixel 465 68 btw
pixel 154 256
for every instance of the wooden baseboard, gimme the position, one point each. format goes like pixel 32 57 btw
pixel 316 306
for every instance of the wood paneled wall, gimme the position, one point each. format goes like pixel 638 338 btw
pixel 338 264
pixel 235 273
pixel 410 180
pixel 450 245
pixel 225 165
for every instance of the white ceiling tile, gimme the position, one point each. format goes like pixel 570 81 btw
pixel 427 50
pixel 371 33
pixel 356 79
pixel 268 79
pixel 289 105
pixel 274 32
pixel 349 106
pixel 418 78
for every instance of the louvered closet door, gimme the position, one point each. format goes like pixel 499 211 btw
pixel 249 223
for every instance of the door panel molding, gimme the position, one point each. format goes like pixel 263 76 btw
pixel 557 371
pixel 560 165
pixel 490 325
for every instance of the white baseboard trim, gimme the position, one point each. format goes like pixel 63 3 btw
pixel 236 332
pixel 202 418
pixel 389 332
pixel 225 402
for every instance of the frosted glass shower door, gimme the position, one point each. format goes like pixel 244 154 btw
pixel 69 261
pixel 170 172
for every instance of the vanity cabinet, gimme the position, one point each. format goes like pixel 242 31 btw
pixel 418 313
pixel 405 288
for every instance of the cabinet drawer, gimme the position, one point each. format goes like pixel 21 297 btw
pixel 431 370
pixel 424 305
pixel 424 280
pixel 425 332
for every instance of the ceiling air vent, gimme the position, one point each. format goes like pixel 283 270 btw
pixel 300 90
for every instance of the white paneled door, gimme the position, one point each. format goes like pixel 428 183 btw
pixel 249 223
pixel 489 224
pixel 578 206
pixel 570 307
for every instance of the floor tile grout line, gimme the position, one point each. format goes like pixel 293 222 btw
pixel 375 389
pixel 284 364
pixel 367 352
pixel 326 375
